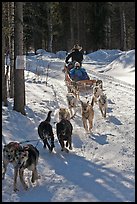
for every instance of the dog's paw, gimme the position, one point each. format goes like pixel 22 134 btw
pixel 86 131
pixel 70 148
pixel 15 189
pixel 26 187
pixel 90 131
pixel 32 180
pixel 66 150
pixel 3 173
pixel 51 148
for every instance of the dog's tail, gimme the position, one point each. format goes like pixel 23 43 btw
pixel 92 101
pixel 48 119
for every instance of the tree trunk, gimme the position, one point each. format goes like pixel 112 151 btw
pixel 4 82
pixel 8 49
pixel 123 27
pixel 78 22
pixel 71 10
pixel 123 31
pixel 82 25
pixel 108 34
pixel 11 88
pixel 50 26
pixel 19 83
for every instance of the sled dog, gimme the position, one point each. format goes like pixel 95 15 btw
pixel 27 158
pixel 102 102
pixel 99 83
pixel 64 134
pixel 87 114
pixel 10 151
pixel 72 103
pixel 97 91
pixel 74 90
pixel 64 113
pixel 45 132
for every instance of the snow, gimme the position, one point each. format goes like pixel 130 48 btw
pixel 101 166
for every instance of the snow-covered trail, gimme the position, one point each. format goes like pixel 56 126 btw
pixel 106 133
pixel 100 168
pixel 114 131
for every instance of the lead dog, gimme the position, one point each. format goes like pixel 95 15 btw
pixel 64 134
pixel 10 151
pixel 102 102
pixel 45 132
pixel 87 114
pixel 28 158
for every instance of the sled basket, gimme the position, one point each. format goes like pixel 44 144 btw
pixel 82 84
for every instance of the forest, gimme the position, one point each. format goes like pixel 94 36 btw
pixel 55 26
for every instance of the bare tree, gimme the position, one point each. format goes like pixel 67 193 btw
pixel 11 87
pixel 108 33
pixel 19 83
pixel 4 81
pixel 50 26
pixel 123 26
pixel 71 10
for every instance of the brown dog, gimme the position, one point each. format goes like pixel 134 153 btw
pixel 10 151
pixel 28 158
pixel 64 113
pixel 87 115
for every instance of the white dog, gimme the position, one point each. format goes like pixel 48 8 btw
pixel 97 91
pixel 72 103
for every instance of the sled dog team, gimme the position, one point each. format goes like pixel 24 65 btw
pixel 22 157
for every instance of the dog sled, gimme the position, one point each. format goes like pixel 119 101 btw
pixel 79 85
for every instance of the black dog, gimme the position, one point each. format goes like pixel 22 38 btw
pixel 45 132
pixel 64 133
